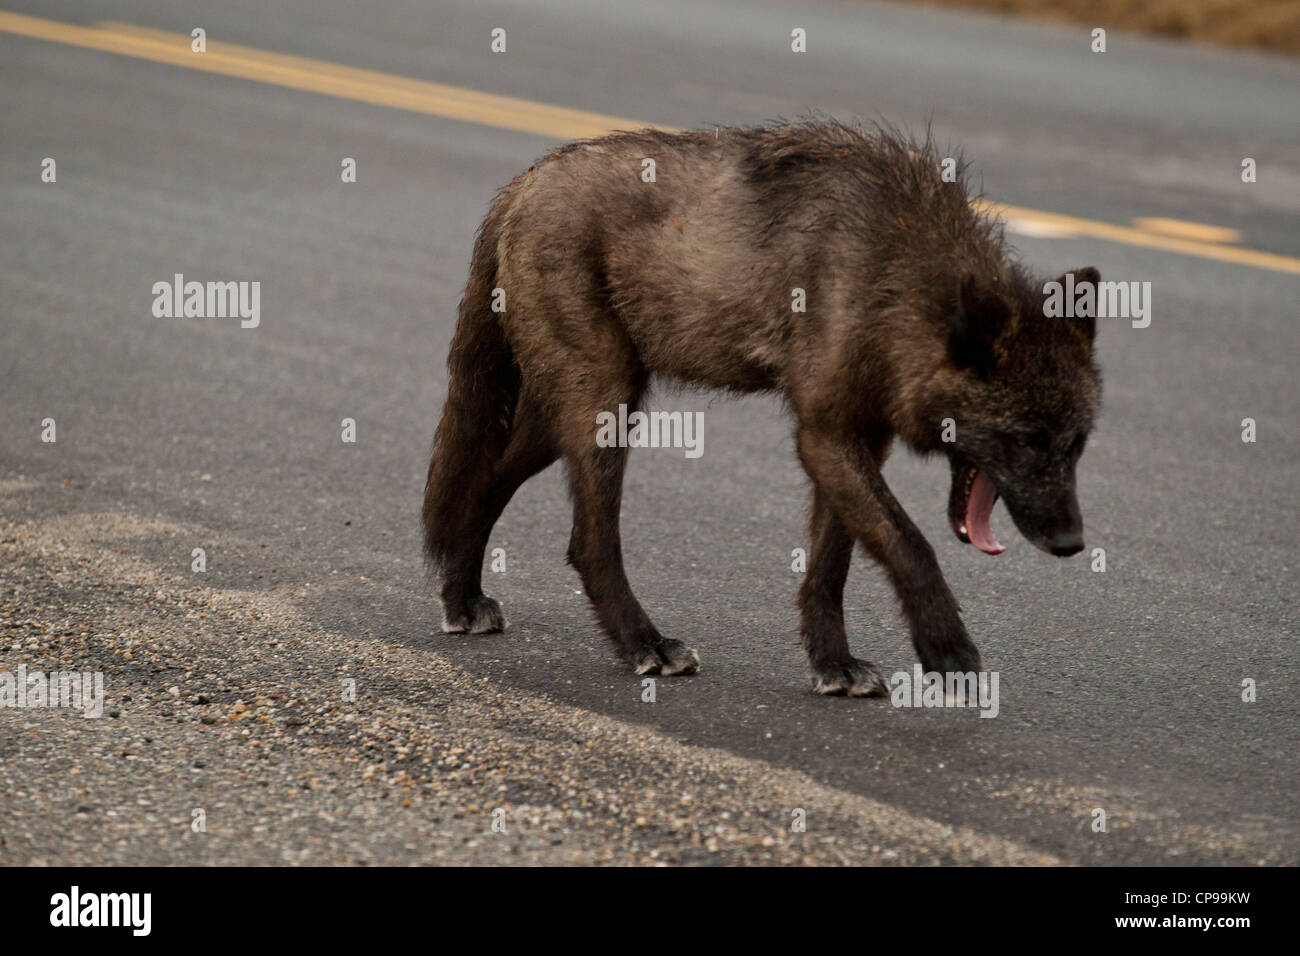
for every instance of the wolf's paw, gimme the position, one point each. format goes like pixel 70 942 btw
pixel 481 616
pixel 955 660
pixel 853 678
pixel 667 658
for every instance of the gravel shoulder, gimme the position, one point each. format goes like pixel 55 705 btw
pixel 233 703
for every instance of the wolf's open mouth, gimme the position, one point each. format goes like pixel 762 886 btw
pixel 977 495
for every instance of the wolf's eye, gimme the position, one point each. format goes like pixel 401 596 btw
pixel 1038 441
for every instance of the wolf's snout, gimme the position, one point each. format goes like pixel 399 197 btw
pixel 1064 544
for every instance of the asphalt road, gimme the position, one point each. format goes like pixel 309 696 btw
pixel 1119 690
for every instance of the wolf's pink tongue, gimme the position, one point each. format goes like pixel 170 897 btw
pixel 978 510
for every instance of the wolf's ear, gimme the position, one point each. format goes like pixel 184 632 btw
pixel 975 324
pixel 1087 324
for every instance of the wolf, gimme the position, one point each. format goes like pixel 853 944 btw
pixel 590 278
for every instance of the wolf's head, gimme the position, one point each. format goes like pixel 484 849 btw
pixel 1022 392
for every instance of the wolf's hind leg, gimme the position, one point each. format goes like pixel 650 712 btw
pixel 821 609
pixel 595 550
pixel 531 449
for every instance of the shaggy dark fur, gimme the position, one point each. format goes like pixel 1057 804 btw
pixel 914 315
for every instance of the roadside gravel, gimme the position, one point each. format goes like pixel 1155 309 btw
pixel 232 707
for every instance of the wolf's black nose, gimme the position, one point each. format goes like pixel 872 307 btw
pixel 1065 544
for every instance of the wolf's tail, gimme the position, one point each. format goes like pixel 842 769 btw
pixel 482 389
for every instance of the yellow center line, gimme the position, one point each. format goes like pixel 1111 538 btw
pixel 1188 230
pixel 1130 236
pixel 300 73
pixel 527 116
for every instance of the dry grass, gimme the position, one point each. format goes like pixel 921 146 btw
pixel 1271 25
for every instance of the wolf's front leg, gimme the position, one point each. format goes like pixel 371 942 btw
pixel 821 610
pixel 848 477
